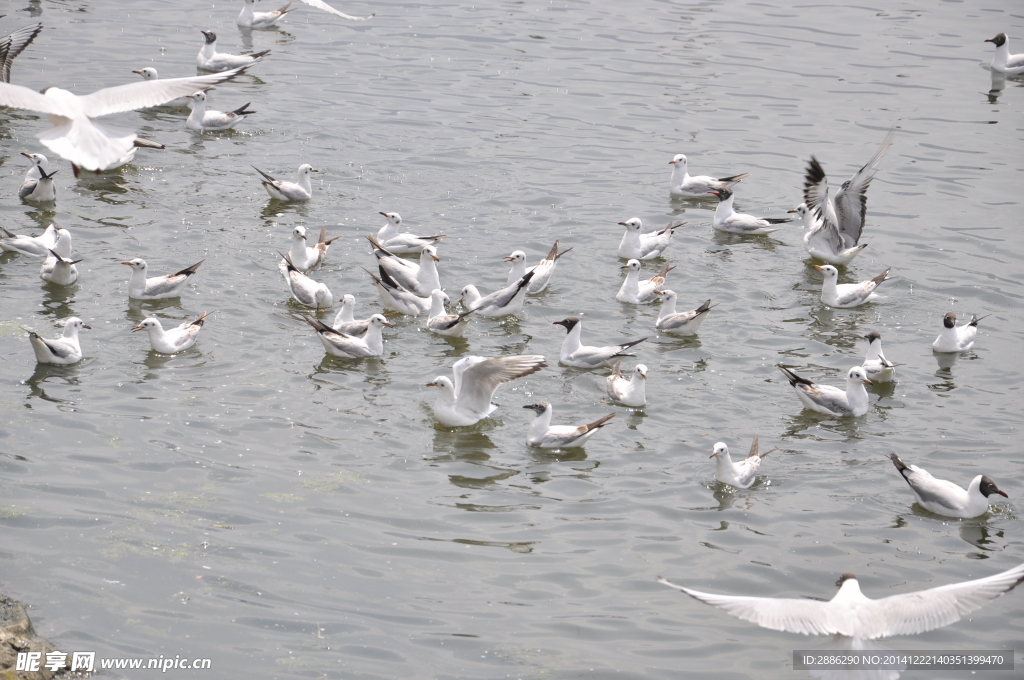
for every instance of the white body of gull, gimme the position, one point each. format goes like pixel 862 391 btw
pixel 833 226
pixel 542 271
pixel 1003 61
pixel 210 59
pixel 13 44
pixel 727 219
pixel 638 292
pixel 852 615
pixel 955 338
pixel 396 298
pixel 158 287
pixel 680 323
pixel 345 320
pixel 630 391
pixel 36 246
pixel 59 270
pixel 370 344
pixel 137 144
pixel 63 350
pixel 876 366
pixel 307 258
pixel 394 240
pixel 637 246
pixel 86 143
pixel 467 400
pixel 203 120
pixel 251 19
pixel 946 498
pixel 38 185
pixel 174 340
pixel 418 278
pixel 683 184
pixel 440 321
pixel 741 474
pixel 847 295
pixel 832 400
pixel 574 353
pixel 150 73
pixel 289 191
pixel 544 435
pixel 505 302
pixel 305 290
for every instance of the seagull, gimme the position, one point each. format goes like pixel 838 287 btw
pixel 1003 61
pixel 440 321
pixel 505 302
pixel 847 295
pixel 13 44
pixel 680 323
pixel 946 498
pixel 396 298
pixel 832 400
pixel 345 320
pixel 338 344
pixel 64 350
pixel 288 191
pixel 38 186
pixel 851 614
pixel 728 220
pixel 59 270
pixel 542 271
pixel 876 366
pixel 953 338
pixel 86 143
pixel 250 19
pixel 36 246
pixel 635 245
pixel 138 143
pixel 306 258
pixel 201 119
pixel 833 226
pixel 545 436
pixel 158 287
pixel 417 278
pixel 467 400
pixel 698 186
pixel 741 474
pixel 150 73
pixel 629 391
pixel 177 339
pixel 211 60
pixel 639 292
pixel 406 244
pixel 582 356
pixel 305 290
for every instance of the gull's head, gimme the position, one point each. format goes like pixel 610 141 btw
pixel 439 295
pixel 210 36
pixel 148 325
pixel 305 169
pixel 539 408
pixel 640 370
pixel 349 299
pixel 299 234
pixel 394 219
pixel 199 96
pixel 872 337
pixel 800 210
pixel 857 374
pixel 37 159
pixel 468 292
pixel 949 321
pixel 988 487
pixel 74 324
pixel 633 265
pixel 430 251
pixel 678 159
pixel 516 256
pixel 667 295
pixel 999 40
pixel 828 270
pixel 443 382
pixel 844 578
pixel 723 194
pixel 138 264
pixel 633 224
pixel 569 323
pixel 379 321
pixel 148 73
pixel 720 447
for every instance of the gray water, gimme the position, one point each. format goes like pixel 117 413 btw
pixel 289 515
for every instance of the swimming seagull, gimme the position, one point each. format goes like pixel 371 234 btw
pixel 210 59
pixel 847 295
pixel 697 186
pixel 65 349
pixel 953 338
pixel 406 244
pixel 832 400
pixel 36 246
pixel 635 245
pixel 201 119
pixel 876 366
pixel 13 44
pixel 305 290
pixel 639 292
pixel 467 400
pixel 289 191
pixel 86 143
pixel 396 298
pixel 837 223
pixel 574 353
pixel 158 287
pixel 440 321
pixel 150 73
pixel 680 323
pixel 852 615
pixel 542 271
pixel 59 270
pixel 345 320
pixel 174 340
pixel 544 435
pixel 728 220
pixel 1003 61
pixel 630 391
pixel 741 474
pixel 505 302
pixel 38 186
pixel 338 344
pixel 418 278
pixel 307 258
pixel 946 498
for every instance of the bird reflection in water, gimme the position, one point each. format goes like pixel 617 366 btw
pixel 43 374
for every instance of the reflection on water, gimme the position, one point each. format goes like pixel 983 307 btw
pixel 57 300
pixel 43 373
pixel 140 310
pixel 977 533
pixel 998 85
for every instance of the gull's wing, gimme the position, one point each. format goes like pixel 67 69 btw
pixel 819 204
pixel 501 298
pixel 320 4
pixel 460 367
pixel 12 45
pixel 832 398
pixel 18 97
pixel 851 201
pixel 483 377
pixel 140 95
pixel 55 347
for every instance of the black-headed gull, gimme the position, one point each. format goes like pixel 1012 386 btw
pixel 251 19
pixel 877 367
pixel 544 435
pixel 418 278
pixel 440 321
pixel 637 246
pixel 345 320
pixel 847 295
pixel 307 258
pixel 12 44
pixel 203 120
pixel 946 498
pixel 59 270
pixel 280 190
pixel 305 290
pixel 158 287
pixel 36 246
pixel 631 391
pixel 64 350
pixel 35 187
pixel 507 301
pixel 345 346
pixel 741 474
pixel 542 271
pixel 1003 61
pixel 396 298
pixel 173 340
pixel 638 292
pixel 698 186
pixel 138 143
pixel 853 401
pixel 404 243
pixel 467 400
pixel 209 59
pixel 574 353
pixel 680 323
pixel 727 219
pixel 955 338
